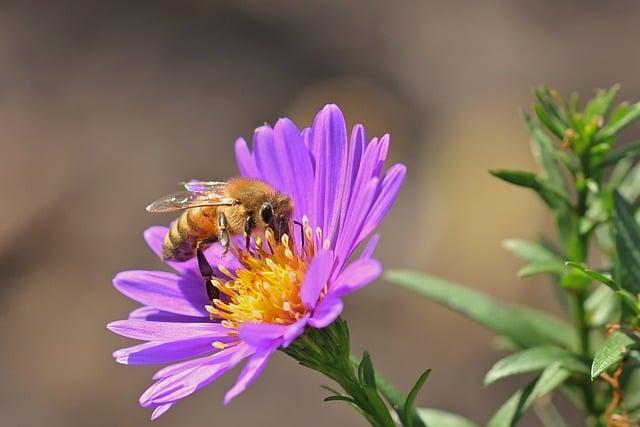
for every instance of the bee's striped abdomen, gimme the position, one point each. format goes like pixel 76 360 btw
pixel 192 226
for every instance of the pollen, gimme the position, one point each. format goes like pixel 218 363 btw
pixel 266 289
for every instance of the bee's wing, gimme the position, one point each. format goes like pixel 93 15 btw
pixel 196 186
pixel 190 199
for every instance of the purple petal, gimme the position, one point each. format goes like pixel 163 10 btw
pixel 260 335
pixel 391 184
pixel 330 151
pixel 294 331
pixel 347 240
pixel 156 352
pixel 182 384
pixel 368 250
pixel 263 335
pixel 164 291
pixel 326 312
pixel 383 149
pixel 356 150
pixel 244 158
pixel 179 367
pixel 166 331
pixel 294 163
pixel 154 315
pixel 316 278
pixel 251 371
pixel 358 274
pixel 160 410
pixel 352 220
pixel 266 157
pixel 364 172
pixel 309 143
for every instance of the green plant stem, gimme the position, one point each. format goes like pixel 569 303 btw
pixel 579 253
pixel 327 351
pixel 584 345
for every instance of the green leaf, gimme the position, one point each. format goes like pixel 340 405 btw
pixel 340 398
pixel 529 251
pixel 607 99
pixel 411 397
pixel 511 411
pixel 524 326
pixel 552 123
pixel 594 275
pixel 521 178
pixel 619 174
pixel 544 151
pixel 630 384
pixel 438 418
pixel 368 381
pixel 542 267
pixel 548 113
pixel 395 399
pixel 602 305
pixel 630 186
pixel 611 352
pixel 601 103
pixel 365 372
pixel 616 124
pixel 627 238
pixel 569 159
pixel 592 107
pixel 552 196
pixel 630 150
pixel 629 300
pixel 534 359
pixel 542 259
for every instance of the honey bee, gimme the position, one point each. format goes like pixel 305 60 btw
pixel 216 211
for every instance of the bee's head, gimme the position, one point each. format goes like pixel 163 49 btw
pixel 276 214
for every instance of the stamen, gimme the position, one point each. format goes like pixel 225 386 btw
pixel 267 286
pixel 272 265
pixel 219 345
pixel 268 234
pixel 308 233
pixel 227 324
pixel 326 244
pixel 225 271
pixel 288 254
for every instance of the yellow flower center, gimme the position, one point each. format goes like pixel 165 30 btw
pixel 267 287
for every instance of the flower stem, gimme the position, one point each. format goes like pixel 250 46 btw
pixel 578 252
pixel 327 351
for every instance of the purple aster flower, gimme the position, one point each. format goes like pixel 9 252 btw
pixel 271 294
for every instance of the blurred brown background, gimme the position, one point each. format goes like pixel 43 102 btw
pixel 106 105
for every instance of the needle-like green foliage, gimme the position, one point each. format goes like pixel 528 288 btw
pixel 587 178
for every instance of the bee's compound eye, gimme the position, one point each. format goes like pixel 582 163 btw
pixel 266 213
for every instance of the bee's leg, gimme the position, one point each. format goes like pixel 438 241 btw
pixel 207 274
pixel 223 233
pixel 301 232
pixel 249 225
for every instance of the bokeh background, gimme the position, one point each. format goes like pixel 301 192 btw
pixel 106 105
